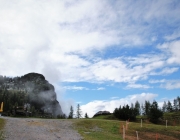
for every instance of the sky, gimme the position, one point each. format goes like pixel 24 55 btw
pixel 99 54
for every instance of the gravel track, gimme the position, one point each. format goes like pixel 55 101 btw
pixel 39 129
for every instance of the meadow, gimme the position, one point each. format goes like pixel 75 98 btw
pixel 108 128
pixel 101 129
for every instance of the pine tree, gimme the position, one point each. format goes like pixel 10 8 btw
pixel 86 116
pixel 71 113
pixel 154 112
pixel 137 107
pixel 78 112
pixel 175 105
pixel 169 107
pixel 164 107
pixel 147 106
pixel 142 109
pixel 178 100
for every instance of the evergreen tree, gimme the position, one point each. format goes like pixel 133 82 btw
pixel 132 105
pixel 154 112
pixel 147 106
pixel 175 105
pixel 125 113
pixel 178 104
pixel 164 107
pixel 142 109
pixel 78 112
pixel 86 116
pixel 71 113
pixel 169 107
pixel 137 107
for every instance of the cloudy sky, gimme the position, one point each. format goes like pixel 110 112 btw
pixel 100 54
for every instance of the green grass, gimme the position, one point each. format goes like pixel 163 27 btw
pixel 152 129
pixel 107 117
pixel 97 129
pixel 2 123
pixel 171 115
pixel 100 129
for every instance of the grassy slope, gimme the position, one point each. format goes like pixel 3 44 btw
pixel 108 117
pixel 100 129
pixel 2 123
pixel 172 116
pixel 97 129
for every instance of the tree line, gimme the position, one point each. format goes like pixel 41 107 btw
pixel 151 110
pixel 78 114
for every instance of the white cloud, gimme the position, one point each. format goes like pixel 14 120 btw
pixel 58 39
pixel 75 88
pixel 171 84
pixel 157 81
pixel 101 88
pixel 175 35
pixel 36 35
pixel 172 49
pixel 114 98
pixel 140 86
pixel 165 71
pixel 93 107
pixel 167 84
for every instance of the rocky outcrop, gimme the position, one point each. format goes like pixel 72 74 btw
pixel 39 93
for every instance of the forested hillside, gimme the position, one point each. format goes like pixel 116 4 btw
pixel 31 92
pixel 151 111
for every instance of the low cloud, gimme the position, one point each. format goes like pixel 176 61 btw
pixel 109 105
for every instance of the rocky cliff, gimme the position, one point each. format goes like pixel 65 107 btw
pixel 33 90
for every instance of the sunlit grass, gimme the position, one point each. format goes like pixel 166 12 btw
pixel 92 129
pixel 97 129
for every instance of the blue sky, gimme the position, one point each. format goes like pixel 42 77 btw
pixel 100 54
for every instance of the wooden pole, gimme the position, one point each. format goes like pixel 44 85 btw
pixel 166 123
pixel 157 136
pixel 123 133
pixel 137 135
pixel 126 125
pixel 141 122
pixel 120 128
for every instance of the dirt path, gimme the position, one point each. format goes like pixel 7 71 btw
pixel 39 129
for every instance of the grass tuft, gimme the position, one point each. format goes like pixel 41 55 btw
pixel 2 123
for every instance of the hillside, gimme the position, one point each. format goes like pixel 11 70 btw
pixel 31 92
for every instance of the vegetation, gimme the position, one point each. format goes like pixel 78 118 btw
pixel 92 129
pixel 86 115
pixel 106 117
pixel 2 123
pixel 125 113
pixel 100 129
pixel 78 112
pixel 30 93
pixel 151 110
pixel 71 113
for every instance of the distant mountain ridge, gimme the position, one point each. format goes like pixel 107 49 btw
pixel 32 89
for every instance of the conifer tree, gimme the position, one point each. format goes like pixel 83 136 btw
pixel 86 116
pixel 71 113
pixel 78 112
